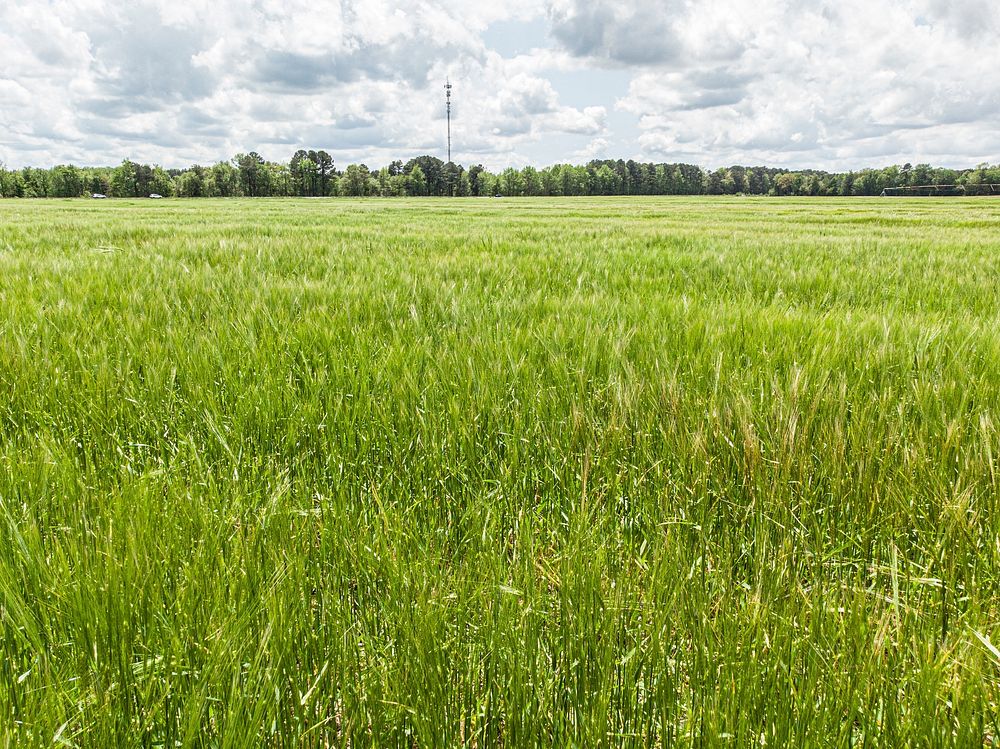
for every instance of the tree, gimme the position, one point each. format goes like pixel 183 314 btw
pixel 300 172
pixel 161 183
pixel 531 181
pixel 66 182
pixel 312 173
pixel 920 175
pixel 279 179
pixel 489 183
pixel 450 174
pixel 227 180
pixel 552 181
pixel 99 181
pixel 33 183
pixel 191 183
pixel 304 171
pixel 124 180
pixel 866 183
pixel 387 183
pixel 475 180
pixel 739 176
pixel 605 181
pixel 416 181
pixel 511 182
pixel 355 181
pixel 845 184
pixel 786 183
pixel 253 174
pixel 143 180
pixel 6 183
pixel 324 166
pixel 433 171
pixel 575 180
pixel 715 182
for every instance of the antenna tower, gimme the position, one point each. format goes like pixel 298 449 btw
pixel 447 89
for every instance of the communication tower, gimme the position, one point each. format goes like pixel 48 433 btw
pixel 447 95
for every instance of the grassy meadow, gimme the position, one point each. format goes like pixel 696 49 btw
pixel 650 472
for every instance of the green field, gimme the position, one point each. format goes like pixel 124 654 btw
pixel 557 472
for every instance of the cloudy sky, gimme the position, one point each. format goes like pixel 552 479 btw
pixel 826 83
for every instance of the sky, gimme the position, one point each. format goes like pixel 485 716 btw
pixel 832 84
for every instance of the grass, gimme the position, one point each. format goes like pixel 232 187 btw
pixel 609 472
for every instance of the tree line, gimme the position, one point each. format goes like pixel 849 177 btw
pixel 314 174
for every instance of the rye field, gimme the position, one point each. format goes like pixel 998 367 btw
pixel 662 472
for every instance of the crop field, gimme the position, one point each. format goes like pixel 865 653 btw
pixel 649 472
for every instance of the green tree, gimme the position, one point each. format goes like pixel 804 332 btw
pixel 6 183
pixel 475 180
pixel 511 182
pixel 227 180
pixel 191 183
pixel 551 178
pixel 98 181
pixel 575 180
pixel 253 174
pixel 279 180
pixel 355 181
pixel 324 168
pixel 34 183
pixel 66 182
pixel 434 174
pixel 451 174
pixel 303 172
pixel 124 180
pixel 161 183
pixel 416 183
pixel 605 181
pixel 531 181
pixel 786 183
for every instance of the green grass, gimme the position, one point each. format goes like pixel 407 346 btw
pixel 649 472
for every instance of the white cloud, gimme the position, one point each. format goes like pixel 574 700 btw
pixel 595 149
pixel 93 82
pixel 833 84
pixel 827 83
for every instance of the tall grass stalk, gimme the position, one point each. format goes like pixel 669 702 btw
pixel 610 472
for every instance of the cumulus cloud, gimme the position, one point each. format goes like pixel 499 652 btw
pixel 595 149
pixel 827 82
pixel 92 81
pixel 624 32
pixel 824 83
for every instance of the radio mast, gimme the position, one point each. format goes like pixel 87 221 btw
pixel 447 89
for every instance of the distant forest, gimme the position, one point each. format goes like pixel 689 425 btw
pixel 314 174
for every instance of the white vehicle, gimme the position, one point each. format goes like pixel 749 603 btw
pixel 155 196
pixel 98 196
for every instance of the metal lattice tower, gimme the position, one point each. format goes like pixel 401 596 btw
pixel 447 89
